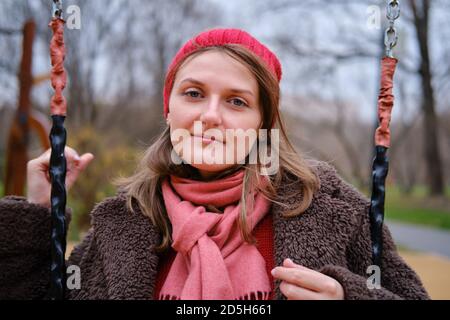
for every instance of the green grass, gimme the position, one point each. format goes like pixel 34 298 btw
pixel 417 208
pixel 428 217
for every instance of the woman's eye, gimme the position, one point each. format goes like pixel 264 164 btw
pixel 235 101
pixel 192 94
pixel 240 103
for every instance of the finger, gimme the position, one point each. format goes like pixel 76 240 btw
pixel 85 159
pixel 47 152
pixel 43 161
pixel 71 177
pixel 288 263
pixel 291 264
pixel 75 162
pixel 71 154
pixel 325 283
pixel 293 292
pixel 303 278
pixel 82 163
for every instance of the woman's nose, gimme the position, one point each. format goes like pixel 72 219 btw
pixel 212 114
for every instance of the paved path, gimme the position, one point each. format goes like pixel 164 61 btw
pixel 421 238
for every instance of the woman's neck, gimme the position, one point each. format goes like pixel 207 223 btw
pixel 189 172
pixel 210 175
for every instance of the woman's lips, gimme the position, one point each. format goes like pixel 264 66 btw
pixel 207 140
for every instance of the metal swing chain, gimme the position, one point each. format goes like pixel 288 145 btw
pixel 390 35
pixel 58 163
pixel 57 9
pixel 380 164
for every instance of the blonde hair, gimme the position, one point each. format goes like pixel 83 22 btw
pixel 144 186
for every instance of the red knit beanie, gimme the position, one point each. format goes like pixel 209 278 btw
pixel 218 37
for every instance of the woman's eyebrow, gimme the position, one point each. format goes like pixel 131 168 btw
pixel 236 90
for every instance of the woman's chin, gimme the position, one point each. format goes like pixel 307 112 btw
pixel 211 169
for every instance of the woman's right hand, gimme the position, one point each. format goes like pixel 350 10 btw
pixel 38 175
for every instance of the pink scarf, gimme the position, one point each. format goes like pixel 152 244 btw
pixel 213 262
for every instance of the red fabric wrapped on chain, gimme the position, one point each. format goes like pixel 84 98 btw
pixel 58 104
pixel 385 102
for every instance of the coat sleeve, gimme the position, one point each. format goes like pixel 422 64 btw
pixel 25 254
pixel 89 265
pixel 25 248
pixel 398 280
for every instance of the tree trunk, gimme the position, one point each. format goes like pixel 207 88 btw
pixel 432 153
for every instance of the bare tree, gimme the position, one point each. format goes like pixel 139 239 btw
pixel 119 56
pixel 432 153
pixel 347 43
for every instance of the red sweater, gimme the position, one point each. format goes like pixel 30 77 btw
pixel 263 233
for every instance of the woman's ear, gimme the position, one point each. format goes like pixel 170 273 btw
pixel 168 119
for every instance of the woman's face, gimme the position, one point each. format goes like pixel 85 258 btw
pixel 214 96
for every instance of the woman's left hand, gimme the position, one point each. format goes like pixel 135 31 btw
pixel 301 283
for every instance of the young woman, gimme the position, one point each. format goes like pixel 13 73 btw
pixel 205 216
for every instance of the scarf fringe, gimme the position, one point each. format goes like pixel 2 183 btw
pixel 258 295
pixel 168 297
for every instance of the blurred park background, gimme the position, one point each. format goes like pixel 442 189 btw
pixel 330 51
